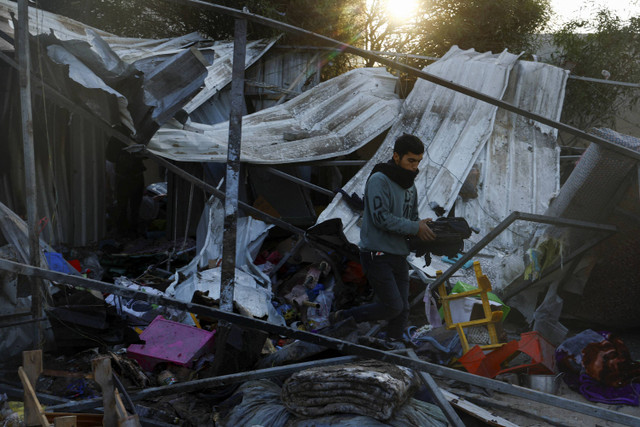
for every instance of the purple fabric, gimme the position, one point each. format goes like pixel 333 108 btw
pixel 597 392
pixel 569 359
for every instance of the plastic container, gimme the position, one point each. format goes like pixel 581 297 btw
pixel 170 342
pixel 549 384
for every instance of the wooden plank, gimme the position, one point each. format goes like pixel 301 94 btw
pixel 130 421
pixel 477 411
pixel 104 377
pixel 66 374
pixel 124 419
pixel 32 367
pixel 29 392
pixel 65 421
pixel 120 409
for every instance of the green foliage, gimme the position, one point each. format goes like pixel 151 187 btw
pixel 155 19
pixel 485 25
pixel 589 47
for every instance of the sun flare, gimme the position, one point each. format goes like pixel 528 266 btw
pixel 401 10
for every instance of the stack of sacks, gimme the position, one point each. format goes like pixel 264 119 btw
pixel 370 388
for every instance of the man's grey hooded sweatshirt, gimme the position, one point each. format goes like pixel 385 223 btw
pixel 390 215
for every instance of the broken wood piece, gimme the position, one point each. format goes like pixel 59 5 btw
pixel 104 377
pixel 477 411
pixel 32 368
pixel 124 419
pixel 120 409
pixel 65 421
pixel 36 409
pixel 129 421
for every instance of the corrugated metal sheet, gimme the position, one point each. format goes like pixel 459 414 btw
pixel 70 151
pixel 288 72
pixel 41 22
pixel 219 73
pixel 334 118
pixel 281 73
pixel 519 166
pixel 454 128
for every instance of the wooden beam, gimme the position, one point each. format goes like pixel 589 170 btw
pixel 104 377
pixel 36 417
pixel 32 367
pixel 65 421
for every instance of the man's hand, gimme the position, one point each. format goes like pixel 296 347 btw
pixel 424 232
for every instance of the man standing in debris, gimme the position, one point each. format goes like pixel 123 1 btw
pixel 390 216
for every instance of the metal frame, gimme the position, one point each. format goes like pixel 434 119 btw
pixel 514 216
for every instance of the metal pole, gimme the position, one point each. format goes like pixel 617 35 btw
pixel 203 383
pixel 29 160
pixel 228 270
pixel 436 394
pixel 233 168
pixel 513 216
pixel 301 182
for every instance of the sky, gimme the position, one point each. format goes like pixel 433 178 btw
pixel 573 9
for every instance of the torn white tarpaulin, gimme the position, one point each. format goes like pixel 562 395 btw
pixel 250 235
pixel 248 293
pixel 454 128
pixel 332 119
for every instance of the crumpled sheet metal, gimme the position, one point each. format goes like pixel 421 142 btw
pixel 332 119
pixel 220 71
pixel 519 166
pixel 42 22
pixel 84 76
pixel 143 52
pixel 453 126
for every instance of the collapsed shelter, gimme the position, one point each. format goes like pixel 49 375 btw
pixel 483 162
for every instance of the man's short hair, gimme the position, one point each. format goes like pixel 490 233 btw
pixel 406 143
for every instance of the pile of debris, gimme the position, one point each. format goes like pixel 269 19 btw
pixel 134 331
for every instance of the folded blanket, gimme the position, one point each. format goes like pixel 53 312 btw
pixel 370 388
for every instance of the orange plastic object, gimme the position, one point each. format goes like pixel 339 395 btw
pixel 489 365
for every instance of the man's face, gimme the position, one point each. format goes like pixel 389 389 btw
pixel 409 161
